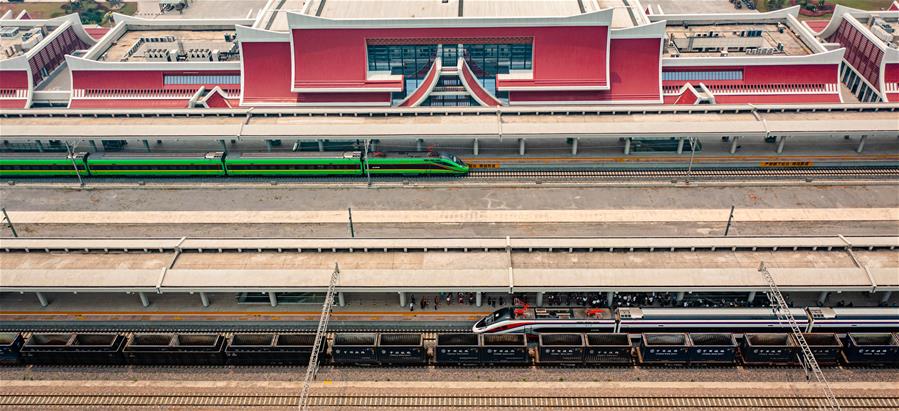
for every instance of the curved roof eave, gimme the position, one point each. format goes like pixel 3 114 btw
pixel 597 18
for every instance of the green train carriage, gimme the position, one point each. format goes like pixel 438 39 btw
pixel 232 164
pixel 156 164
pixel 294 164
pixel 415 162
pixel 42 164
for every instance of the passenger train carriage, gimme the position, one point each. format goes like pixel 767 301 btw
pixel 289 163
pixel 639 320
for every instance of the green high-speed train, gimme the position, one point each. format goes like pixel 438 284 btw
pixel 353 163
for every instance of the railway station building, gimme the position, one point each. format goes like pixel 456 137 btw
pixel 410 53
pixel 870 67
pixel 33 53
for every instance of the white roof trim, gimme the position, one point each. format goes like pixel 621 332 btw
pixel 841 10
pixel 651 30
pixel 247 34
pixel 18 63
pixel 829 57
pixel 182 24
pixel 598 18
pixel 83 64
pixel 777 15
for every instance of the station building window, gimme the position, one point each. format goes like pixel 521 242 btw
pixel 702 75
pixel 200 79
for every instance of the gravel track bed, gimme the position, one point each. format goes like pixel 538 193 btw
pixel 556 374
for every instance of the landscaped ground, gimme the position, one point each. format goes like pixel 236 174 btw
pixel 47 10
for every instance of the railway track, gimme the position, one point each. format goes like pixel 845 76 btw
pixel 519 175
pixel 443 402
pixel 699 174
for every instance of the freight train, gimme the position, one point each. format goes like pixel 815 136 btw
pixel 537 320
pixel 218 164
pixel 397 349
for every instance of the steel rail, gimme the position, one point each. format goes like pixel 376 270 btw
pixel 443 401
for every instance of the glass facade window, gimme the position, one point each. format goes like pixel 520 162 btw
pixel 493 59
pixel 414 61
pixel 176 79
pixel 702 75
pixel 411 61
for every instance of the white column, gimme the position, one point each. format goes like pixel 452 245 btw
pixel 886 296
pixel 42 299
pixel 680 296
pixel 477 297
pixel 751 297
pixel 574 146
pixel 418 144
pixel 733 144
pixel 861 144
pixel 780 144
pixel 822 298
pixel 627 146
pixel 521 146
pixel 540 299
pixel 340 300
pixel 680 145
pixel 144 299
pixel 204 299
pixel 475 149
pixel 609 296
pixel 273 299
pixel 402 299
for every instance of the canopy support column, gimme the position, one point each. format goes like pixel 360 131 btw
pixel 144 299
pixel 627 146
pixel 204 299
pixel 42 299
pixel 780 144
pixel 273 299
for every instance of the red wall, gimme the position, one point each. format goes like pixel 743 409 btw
pixel 13 79
pixel 137 80
pixel 861 53
pixel 562 55
pixel 266 72
pixel 777 74
pixel 633 75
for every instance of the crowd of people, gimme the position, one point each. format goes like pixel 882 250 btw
pixel 660 299
pixel 600 300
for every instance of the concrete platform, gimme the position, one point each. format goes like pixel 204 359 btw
pixel 452 216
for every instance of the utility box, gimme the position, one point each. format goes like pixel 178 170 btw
pixel 560 349
pixel 712 348
pixel 603 348
pixel 504 349
pixel 458 349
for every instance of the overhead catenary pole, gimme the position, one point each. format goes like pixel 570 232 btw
pixel 320 336
pixel 349 211
pixel 70 151
pixel 807 360
pixel 730 220
pixel 692 155
pixel 8 223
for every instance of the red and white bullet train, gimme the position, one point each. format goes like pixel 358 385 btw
pixel 637 320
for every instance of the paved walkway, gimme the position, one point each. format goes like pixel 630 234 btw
pixel 452 216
